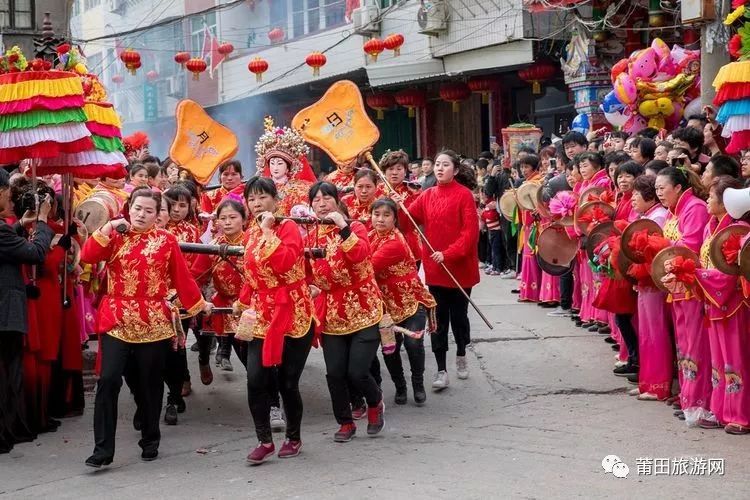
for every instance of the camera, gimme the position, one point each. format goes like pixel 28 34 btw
pixel 30 200
pixel 315 253
pixel 553 163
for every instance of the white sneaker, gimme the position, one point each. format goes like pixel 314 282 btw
pixel 278 423
pixel 508 275
pixel 441 381
pixel 619 363
pixel 634 392
pixel 559 312
pixel 647 396
pixel 461 368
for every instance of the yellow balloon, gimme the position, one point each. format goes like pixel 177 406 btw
pixel 81 69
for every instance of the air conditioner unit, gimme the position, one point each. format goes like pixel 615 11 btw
pixel 117 6
pixel 432 17
pixel 174 86
pixel 366 19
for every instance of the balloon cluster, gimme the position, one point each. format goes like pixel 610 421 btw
pixel 653 87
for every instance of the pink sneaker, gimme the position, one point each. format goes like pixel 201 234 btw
pixel 260 454
pixel 290 449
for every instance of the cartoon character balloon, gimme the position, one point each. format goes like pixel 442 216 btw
pixel 581 124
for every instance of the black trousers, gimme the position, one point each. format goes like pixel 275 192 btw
pixel 497 249
pixel 414 350
pixel 174 374
pixel 145 364
pixel 566 290
pixel 349 357
pixel 12 422
pixel 625 323
pixel 287 374
pixel 483 247
pixel 452 312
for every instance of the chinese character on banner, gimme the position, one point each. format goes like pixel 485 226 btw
pixel 150 102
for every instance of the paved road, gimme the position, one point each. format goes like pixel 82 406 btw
pixel 539 413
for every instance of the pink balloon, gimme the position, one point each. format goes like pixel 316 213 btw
pixel 625 89
pixel 644 65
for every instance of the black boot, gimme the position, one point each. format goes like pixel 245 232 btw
pixel 400 398
pixel 420 396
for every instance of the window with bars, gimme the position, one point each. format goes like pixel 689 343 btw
pixel 310 16
pixel 17 14
pixel 197 31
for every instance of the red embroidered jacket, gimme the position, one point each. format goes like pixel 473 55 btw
pixel 350 298
pixel 143 267
pixel 276 288
pixel 396 274
pixel 227 276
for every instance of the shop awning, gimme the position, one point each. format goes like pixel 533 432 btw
pixel 389 74
pixel 493 57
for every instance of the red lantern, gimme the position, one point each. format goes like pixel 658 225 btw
pixel 690 36
pixel 276 35
pixel 226 48
pixel 181 58
pixel 118 79
pixel 374 47
pixel 132 60
pixel 537 72
pixel 316 60
pixel 196 66
pixel 411 99
pixel 380 101
pixel 485 85
pixel 394 43
pixel 258 66
pixel 454 93
pixel 152 75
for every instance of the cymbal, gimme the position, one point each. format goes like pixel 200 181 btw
pixel 717 244
pixel 657 266
pixel 627 236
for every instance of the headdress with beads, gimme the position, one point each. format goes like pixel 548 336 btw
pixel 281 142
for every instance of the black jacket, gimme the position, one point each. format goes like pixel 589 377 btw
pixel 15 250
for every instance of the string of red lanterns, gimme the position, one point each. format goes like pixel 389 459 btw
pixel 132 60
pixel 373 47
pixel 316 60
pixel 484 85
pixel 380 101
pixel 411 99
pixel 196 66
pixel 225 48
pixel 394 43
pixel 536 73
pixel 276 35
pixel 181 58
pixel 258 66
pixel 454 93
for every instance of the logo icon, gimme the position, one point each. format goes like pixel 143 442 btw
pixel 612 464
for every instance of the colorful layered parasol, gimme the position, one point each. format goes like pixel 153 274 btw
pixel 41 115
pixel 106 158
pixel 44 117
pixel 732 83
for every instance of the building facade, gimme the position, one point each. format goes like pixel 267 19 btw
pixel 23 20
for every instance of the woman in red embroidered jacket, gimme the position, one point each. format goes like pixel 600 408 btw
pixel 395 165
pixel 180 203
pixel 134 319
pixel 405 297
pixel 350 308
pixel 358 203
pixel 281 337
pixel 227 276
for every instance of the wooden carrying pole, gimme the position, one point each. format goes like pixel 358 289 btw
pixel 401 205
